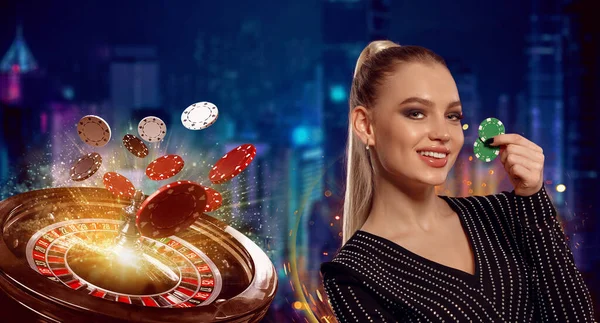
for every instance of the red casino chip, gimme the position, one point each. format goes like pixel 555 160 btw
pixel 135 146
pixel 213 199
pixel 232 164
pixel 119 185
pixel 164 167
pixel 85 167
pixel 171 209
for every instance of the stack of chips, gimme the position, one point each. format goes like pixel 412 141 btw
pixel 488 128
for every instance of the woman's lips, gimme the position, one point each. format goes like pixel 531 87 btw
pixel 434 162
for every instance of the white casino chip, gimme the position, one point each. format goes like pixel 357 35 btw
pixel 199 115
pixel 94 130
pixel 152 129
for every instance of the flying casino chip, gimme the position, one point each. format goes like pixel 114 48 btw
pixel 152 129
pixel 171 209
pixel 213 199
pixel 118 185
pixel 135 146
pixel 232 164
pixel 86 166
pixel 484 152
pixel 164 167
pixel 93 130
pixel 489 128
pixel 199 115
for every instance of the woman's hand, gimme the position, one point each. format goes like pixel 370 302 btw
pixel 523 161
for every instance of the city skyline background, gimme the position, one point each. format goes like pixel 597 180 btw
pixel 280 74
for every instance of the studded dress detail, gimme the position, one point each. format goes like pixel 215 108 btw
pixel 524 271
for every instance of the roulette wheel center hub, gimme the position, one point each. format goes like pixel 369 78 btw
pixel 129 235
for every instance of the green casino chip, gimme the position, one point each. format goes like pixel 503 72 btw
pixel 489 128
pixel 485 153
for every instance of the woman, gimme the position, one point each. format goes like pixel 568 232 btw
pixel 410 255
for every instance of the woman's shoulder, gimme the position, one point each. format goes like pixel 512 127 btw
pixel 341 272
pixel 497 199
pixel 336 268
pixel 502 195
pixel 476 203
pixel 345 260
pixel 506 205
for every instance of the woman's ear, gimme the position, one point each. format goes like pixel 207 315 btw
pixel 362 124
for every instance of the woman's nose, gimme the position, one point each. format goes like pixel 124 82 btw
pixel 444 136
pixel 440 132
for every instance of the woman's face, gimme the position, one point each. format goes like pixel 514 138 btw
pixel 418 110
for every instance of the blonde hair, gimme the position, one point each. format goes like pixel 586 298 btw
pixel 377 60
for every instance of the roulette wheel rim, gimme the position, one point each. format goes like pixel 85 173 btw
pixel 57 302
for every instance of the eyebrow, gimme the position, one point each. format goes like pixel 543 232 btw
pixel 428 103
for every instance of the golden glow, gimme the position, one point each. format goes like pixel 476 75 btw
pixel 465 126
pixel 297 305
pixel 560 188
pixel 126 256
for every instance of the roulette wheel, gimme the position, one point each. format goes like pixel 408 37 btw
pixel 83 254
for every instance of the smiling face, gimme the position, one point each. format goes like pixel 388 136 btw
pixel 417 109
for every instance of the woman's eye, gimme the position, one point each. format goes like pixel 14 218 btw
pixel 414 114
pixel 457 116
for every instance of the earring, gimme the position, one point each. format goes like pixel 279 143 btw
pixel 367 144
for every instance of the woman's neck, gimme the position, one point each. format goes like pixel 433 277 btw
pixel 396 209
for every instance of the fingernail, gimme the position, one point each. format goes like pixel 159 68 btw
pixel 489 141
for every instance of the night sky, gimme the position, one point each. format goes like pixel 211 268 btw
pixel 489 38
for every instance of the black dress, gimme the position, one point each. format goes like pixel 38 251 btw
pixel 524 271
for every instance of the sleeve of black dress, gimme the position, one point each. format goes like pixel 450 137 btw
pixel 350 301
pixel 561 291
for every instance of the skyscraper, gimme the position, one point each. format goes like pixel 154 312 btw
pixel 134 82
pixel 18 112
pixel 563 82
pixel 348 25
pixel 545 84
pixel 582 113
pixel 18 55
pixel 17 61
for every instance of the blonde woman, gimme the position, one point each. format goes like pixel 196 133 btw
pixel 411 255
